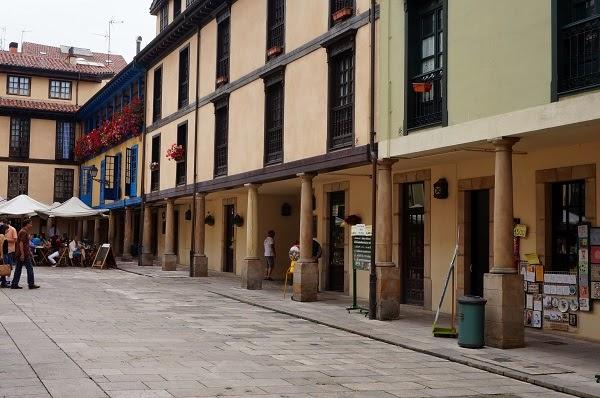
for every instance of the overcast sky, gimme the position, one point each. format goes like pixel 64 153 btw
pixel 78 23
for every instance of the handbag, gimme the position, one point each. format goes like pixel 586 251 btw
pixel 5 270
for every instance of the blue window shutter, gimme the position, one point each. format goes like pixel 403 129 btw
pixel 85 186
pixel 133 170
pixel 102 178
pixel 117 187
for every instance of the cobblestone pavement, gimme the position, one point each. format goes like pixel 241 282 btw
pixel 91 333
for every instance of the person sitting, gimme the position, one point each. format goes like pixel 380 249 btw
pixel 36 241
pixel 55 246
pixel 75 250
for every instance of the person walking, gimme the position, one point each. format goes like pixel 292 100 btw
pixel 269 245
pixel 4 254
pixel 11 239
pixel 23 257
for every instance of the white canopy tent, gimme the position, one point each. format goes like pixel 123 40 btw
pixel 72 208
pixel 22 205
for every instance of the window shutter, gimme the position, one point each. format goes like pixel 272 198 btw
pixel 117 186
pixel 102 180
pixel 133 170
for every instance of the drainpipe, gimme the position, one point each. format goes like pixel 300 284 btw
pixel 195 188
pixel 143 174
pixel 373 156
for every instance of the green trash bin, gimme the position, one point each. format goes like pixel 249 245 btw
pixel 471 321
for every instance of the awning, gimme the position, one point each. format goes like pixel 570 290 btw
pixel 72 208
pixel 22 205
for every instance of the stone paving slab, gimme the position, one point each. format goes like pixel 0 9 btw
pixel 129 336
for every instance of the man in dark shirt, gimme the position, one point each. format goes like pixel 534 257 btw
pixel 23 257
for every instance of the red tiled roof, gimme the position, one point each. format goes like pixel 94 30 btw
pixel 50 58
pixel 37 105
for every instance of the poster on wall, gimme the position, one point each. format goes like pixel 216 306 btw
pixel 594 266
pixel 583 250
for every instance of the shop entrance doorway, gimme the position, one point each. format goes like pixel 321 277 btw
pixel 413 242
pixel 479 253
pixel 229 239
pixel 337 212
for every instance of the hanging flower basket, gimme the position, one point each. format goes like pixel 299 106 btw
pixel 221 80
pixel 342 14
pixel 154 166
pixel 423 87
pixel 176 152
pixel 274 51
pixel 352 219
pixel 209 220
pixel 238 220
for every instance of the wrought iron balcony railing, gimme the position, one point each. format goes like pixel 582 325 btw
pixel 425 94
pixel 579 61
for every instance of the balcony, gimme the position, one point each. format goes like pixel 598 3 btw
pixel 426 101
pixel 579 55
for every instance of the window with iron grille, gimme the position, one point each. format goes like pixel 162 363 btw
pixel 578 45
pixel 176 8
pixel 65 140
pixel 184 77
pixel 274 120
pixel 60 89
pixel 63 184
pixel 163 16
pixel 425 89
pixel 223 36
pixel 341 101
pixel 340 6
pixel 276 26
pixel 181 166
pixel 221 137
pixel 18 181
pixel 19 85
pixel 155 174
pixel 19 137
pixel 157 99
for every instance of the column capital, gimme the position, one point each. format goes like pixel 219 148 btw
pixel 306 176
pixel 201 195
pixel 503 143
pixel 170 200
pixel 252 185
pixel 385 163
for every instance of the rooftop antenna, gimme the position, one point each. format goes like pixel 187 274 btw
pixel 110 24
pixel 22 34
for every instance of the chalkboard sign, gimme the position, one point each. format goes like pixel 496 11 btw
pixel 361 247
pixel 104 257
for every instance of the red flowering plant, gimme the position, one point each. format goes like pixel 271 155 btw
pixel 175 152
pixel 123 125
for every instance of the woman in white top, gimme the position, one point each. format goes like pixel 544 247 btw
pixel 269 244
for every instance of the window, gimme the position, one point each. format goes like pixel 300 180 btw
pixel 112 177
pixel 176 8
pixel 568 210
pixel 274 119
pixel 19 85
pixel 65 140
pixel 19 137
pixel 63 184
pixel 18 181
pixel 223 50
pixel 426 63
pixel 579 44
pixel 60 89
pixel 184 77
pixel 155 172
pixel 131 155
pixel 340 10
pixel 181 166
pixel 163 17
pixel 85 185
pixel 341 93
pixel 157 100
pixel 221 136
pixel 275 28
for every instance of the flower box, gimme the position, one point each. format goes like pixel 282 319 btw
pixel 342 14
pixel 274 51
pixel 221 80
pixel 422 87
pixel 176 152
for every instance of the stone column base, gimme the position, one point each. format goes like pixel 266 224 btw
pixel 306 277
pixel 504 310
pixel 252 274
pixel 388 292
pixel 169 262
pixel 147 259
pixel 200 266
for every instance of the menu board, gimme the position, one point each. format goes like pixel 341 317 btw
pixel 594 265
pixel 361 247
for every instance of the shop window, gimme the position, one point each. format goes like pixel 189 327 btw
pixel 568 211
pixel 18 181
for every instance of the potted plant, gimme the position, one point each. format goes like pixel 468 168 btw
pixel 209 220
pixel 342 14
pixel 274 51
pixel 238 220
pixel 176 152
pixel 422 87
pixel 221 80
pixel 154 166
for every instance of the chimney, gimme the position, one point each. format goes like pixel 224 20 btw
pixel 13 47
pixel 72 57
pixel 138 44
